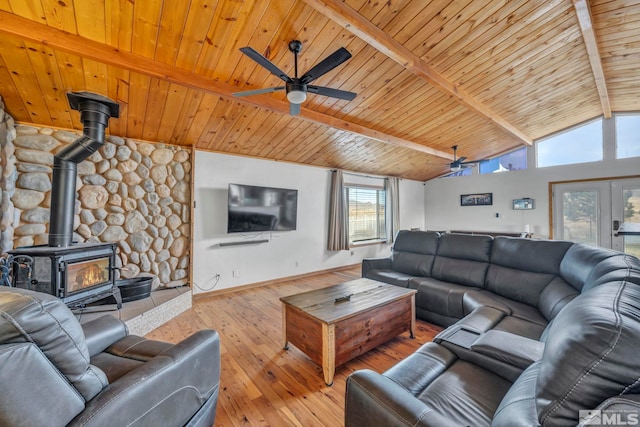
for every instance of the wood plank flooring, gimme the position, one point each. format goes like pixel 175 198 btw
pixel 261 383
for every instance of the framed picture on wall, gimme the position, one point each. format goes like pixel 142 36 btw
pixel 480 199
pixel 523 204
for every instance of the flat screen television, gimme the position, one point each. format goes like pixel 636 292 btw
pixel 253 208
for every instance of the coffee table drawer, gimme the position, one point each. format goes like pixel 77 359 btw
pixel 365 331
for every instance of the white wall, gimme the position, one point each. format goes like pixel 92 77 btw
pixel 442 195
pixel 287 253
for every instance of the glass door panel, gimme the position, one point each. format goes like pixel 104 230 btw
pixel 582 212
pixel 626 209
pixel 580 216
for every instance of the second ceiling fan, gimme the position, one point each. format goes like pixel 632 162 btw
pixel 460 163
pixel 297 87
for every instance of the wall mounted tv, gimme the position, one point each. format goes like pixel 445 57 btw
pixel 253 208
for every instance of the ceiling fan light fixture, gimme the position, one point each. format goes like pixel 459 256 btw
pixel 296 96
pixel 296 87
pixel 455 168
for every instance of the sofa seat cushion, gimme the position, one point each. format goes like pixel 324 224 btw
pixel 390 276
pixel 521 327
pixel 126 354
pixel 439 297
pixel 458 391
pixel 476 298
pixel 138 348
pixel 114 366
pixel 466 394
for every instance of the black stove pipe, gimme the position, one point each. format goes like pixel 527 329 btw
pixel 95 111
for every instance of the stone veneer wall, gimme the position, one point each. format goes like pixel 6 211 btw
pixel 134 193
pixel 8 176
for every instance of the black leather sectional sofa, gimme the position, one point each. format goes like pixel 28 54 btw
pixel 539 333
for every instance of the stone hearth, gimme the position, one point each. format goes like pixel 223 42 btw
pixel 144 315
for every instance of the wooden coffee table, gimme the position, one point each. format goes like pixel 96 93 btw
pixel 336 324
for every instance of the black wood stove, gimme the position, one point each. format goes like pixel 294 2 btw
pixel 76 273
pixel 79 274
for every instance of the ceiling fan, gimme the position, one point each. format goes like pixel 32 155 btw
pixel 297 87
pixel 459 163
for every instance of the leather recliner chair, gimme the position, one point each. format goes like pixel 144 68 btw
pixel 56 372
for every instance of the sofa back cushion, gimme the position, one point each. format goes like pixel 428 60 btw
pixel 413 252
pixel 579 264
pixel 44 320
pixel 580 269
pixel 521 268
pixel 591 350
pixel 462 259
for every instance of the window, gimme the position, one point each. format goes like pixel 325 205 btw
pixel 516 160
pixel 579 145
pixel 366 214
pixel 627 136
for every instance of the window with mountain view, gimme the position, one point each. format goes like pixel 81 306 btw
pixel 580 144
pixel 366 211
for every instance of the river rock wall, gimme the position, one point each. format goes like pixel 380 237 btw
pixel 131 192
pixel 8 177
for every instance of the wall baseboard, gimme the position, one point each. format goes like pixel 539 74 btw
pixel 214 293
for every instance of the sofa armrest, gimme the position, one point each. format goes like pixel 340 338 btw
pixel 167 390
pixel 512 349
pixel 100 333
pixel 369 264
pixel 374 400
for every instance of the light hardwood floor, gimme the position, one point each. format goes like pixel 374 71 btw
pixel 261 383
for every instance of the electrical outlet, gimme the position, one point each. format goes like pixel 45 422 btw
pixel 236 273
pixel 217 276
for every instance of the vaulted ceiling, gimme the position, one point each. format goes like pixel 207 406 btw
pixel 487 76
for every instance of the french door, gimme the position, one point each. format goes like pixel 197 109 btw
pixel 592 211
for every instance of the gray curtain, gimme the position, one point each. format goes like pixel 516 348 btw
pixel 392 191
pixel 338 227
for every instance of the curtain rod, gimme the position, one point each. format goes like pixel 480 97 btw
pixel 362 175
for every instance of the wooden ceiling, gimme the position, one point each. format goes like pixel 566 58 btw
pixel 488 76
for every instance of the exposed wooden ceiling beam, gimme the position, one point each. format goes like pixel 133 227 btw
pixel 583 11
pixel 72 43
pixel 350 19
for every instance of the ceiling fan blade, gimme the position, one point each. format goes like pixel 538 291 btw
pixel 473 161
pixel 259 91
pixel 294 109
pixel 334 93
pixel 326 65
pixel 273 69
pixel 461 160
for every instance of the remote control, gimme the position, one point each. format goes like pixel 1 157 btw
pixel 343 299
